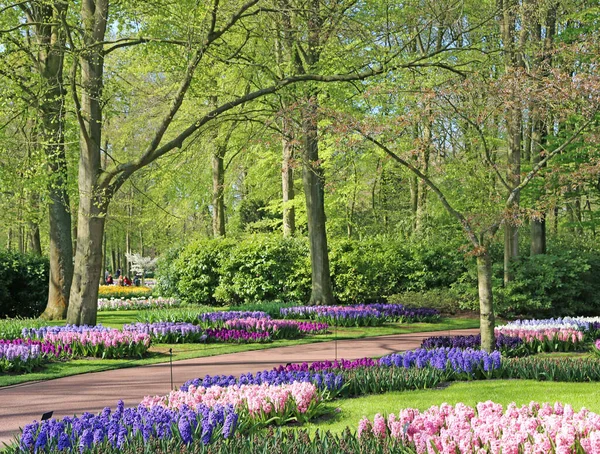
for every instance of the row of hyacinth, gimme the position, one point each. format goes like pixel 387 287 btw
pixel 105 344
pixel 489 428
pixel 125 304
pixel 110 431
pixel 217 319
pixel 47 349
pixel 236 336
pixel 579 323
pixel 360 314
pixel 508 345
pixel 455 360
pixel 42 332
pixel 257 403
pixel 547 339
pixel 278 329
pixel 169 332
pixel 19 357
pixel 324 381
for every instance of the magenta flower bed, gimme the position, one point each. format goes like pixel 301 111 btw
pixel 278 329
pixel 489 428
pixel 111 343
pixel 236 336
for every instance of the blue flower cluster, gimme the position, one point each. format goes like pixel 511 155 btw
pixel 502 342
pixel 322 380
pixel 449 359
pixel 169 332
pixel 127 424
pixel 220 317
pixel 387 312
pixel 40 333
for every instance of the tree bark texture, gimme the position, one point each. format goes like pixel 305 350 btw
pixel 486 302
pixel 218 202
pixel 50 36
pixel 287 178
pixel 92 202
pixel 312 179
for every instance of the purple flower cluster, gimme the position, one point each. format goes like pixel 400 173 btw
pixel 236 335
pixel 118 428
pixel 279 329
pixel 338 364
pixel 323 381
pixel 360 314
pixel 47 349
pixel 11 350
pixel 218 318
pixel 502 342
pixel 455 359
pixel 169 332
pixel 40 333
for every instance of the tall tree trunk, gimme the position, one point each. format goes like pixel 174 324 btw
pixel 9 239
pixel 92 202
pixel 538 223
pixel 218 202
pixel 312 179
pixel 422 187
pixel 35 244
pixel 287 178
pixel 486 301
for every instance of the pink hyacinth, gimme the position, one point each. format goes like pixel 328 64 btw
pixel 490 429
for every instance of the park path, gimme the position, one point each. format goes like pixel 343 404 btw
pixel 21 404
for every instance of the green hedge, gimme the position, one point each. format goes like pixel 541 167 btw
pixel 561 283
pixel 269 268
pixel 23 284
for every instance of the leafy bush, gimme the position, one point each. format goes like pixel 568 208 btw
pixel 198 268
pixel 265 268
pixel 23 284
pixel 439 298
pixel 558 284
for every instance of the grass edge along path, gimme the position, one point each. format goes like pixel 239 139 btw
pixel 159 353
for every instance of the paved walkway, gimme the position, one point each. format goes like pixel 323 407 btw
pixel 21 404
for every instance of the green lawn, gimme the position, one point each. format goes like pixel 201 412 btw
pixel 348 412
pixel 159 352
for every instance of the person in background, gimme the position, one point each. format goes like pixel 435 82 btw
pixel 118 273
pixel 109 280
pixel 126 281
pixel 136 280
pixel 120 281
pixel 106 274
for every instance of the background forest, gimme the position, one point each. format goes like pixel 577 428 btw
pixel 443 148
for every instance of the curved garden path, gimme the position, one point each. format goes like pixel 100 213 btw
pixel 21 404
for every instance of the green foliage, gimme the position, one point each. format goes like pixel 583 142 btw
pixel 551 369
pixel 23 284
pixel 375 380
pixel 271 308
pixel 12 328
pixel 180 314
pixel 198 270
pixel 557 284
pixel 265 268
pixel 440 298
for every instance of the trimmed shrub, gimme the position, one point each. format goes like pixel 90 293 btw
pixel 23 284
pixel 265 268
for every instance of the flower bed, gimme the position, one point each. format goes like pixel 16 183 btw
pixel 103 344
pixel 547 339
pixel 110 432
pixel 169 332
pixel 122 291
pixel 125 304
pixel 329 382
pixel 261 404
pixel 218 319
pixel 18 357
pixel 360 314
pixel 508 345
pixel 278 329
pixel 489 428
pixel 236 336
pixel 42 332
